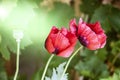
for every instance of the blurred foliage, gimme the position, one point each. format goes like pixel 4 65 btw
pixel 108 16
pixel 36 17
pixel 116 76
pixel 91 65
pixel 3 75
pixel 8 43
pixel 89 6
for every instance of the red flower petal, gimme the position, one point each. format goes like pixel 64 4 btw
pixel 61 42
pixel 72 38
pixel 54 30
pixel 67 52
pixel 102 39
pixel 91 35
pixel 96 27
pixel 48 43
pixel 64 31
pixel 84 30
pixel 49 46
pixel 93 42
pixel 81 27
pixel 73 26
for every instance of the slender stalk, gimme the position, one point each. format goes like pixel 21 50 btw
pixel 115 58
pixel 17 61
pixel 70 61
pixel 48 62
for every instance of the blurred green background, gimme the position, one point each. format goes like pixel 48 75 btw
pixel 36 17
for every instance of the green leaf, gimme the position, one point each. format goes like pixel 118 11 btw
pixel 100 15
pixel 102 54
pixel 87 52
pixel 83 69
pixel 92 67
pixel 89 6
pixel 36 76
pixel 115 46
pixel 108 16
pixel 5 53
pixel 116 76
pixel 0 38
pixel 60 14
pixel 3 75
pixel 115 19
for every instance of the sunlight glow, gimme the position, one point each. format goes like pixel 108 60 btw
pixel 3 12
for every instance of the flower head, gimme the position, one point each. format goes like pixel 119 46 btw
pixel 60 42
pixel 91 36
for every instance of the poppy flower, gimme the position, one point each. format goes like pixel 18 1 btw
pixel 91 36
pixel 60 42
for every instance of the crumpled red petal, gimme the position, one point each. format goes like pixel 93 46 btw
pixel 73 26
pixel 91 36
pixel 96 27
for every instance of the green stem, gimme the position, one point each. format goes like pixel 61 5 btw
pixel 69 61
pixel 48 62
pixel 17 61
pixel 115 58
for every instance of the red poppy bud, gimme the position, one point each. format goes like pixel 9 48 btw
pixel 60 42
pixel 90 35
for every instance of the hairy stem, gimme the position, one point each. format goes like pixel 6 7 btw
pixel 48 62
pixel 17 60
